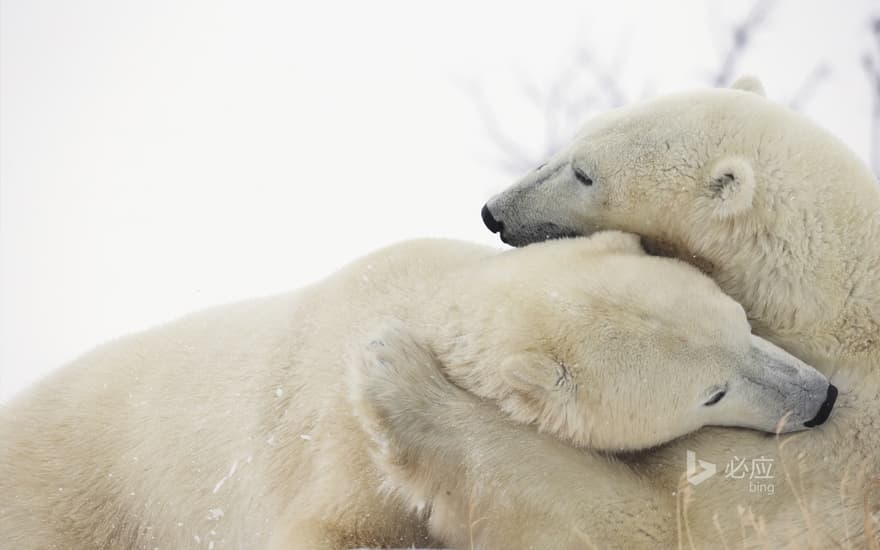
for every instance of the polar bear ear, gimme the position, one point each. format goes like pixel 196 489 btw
pixel 730 188
pixel 749 83
pixel 534 374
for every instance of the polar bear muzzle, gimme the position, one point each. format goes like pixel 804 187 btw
pixel 527 235
pixel 778 392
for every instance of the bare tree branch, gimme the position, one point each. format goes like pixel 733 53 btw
pixel 515 155
pixel 808 87
pixel 740 40
pixel 587 85
pixel 871 64
pixel 607 83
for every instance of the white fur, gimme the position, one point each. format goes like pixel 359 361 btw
pixel 233 425
pixel 798 248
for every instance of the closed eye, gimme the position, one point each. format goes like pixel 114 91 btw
pixel 582 177
pixel 716 397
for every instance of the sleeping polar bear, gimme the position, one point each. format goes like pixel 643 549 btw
pixel 786 219
pixel 231 428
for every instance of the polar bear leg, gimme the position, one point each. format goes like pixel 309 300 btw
pixel 490 483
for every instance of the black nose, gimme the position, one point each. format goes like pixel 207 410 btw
pixel 824 409
pixel 494 225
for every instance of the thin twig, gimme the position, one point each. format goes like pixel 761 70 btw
pixel 741 39
pixel 871 64
pixel 808 87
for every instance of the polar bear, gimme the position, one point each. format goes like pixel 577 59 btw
pixel 486 482
pixel 786 219
pixel 779 212
pixel 231 428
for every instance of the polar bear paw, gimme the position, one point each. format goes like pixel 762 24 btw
pixel 403 400
pixel 396 382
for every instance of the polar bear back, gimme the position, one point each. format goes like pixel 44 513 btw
pixel 186 429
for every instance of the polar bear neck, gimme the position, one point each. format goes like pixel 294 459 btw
pixel 821 298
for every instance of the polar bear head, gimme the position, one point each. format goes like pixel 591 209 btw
pixel 716 153
pixel 746 189
pixel 612 349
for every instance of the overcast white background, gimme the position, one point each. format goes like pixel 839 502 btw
pixel 159 157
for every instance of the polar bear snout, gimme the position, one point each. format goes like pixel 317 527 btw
pixel 808 406
pixel 824 409
pixel 492 224
pixel 531 212
pixel 518 236
pixel 778 392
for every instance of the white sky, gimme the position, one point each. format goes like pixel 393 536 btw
pixel 159 157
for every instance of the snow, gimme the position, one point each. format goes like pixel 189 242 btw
pixel 219 484
pixel 227 476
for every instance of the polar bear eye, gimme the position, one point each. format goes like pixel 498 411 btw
pixel 582 177
pixel 718 396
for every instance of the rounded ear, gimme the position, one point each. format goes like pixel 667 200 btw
pixel 533 373
pixel 730 187
pixel 749 83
